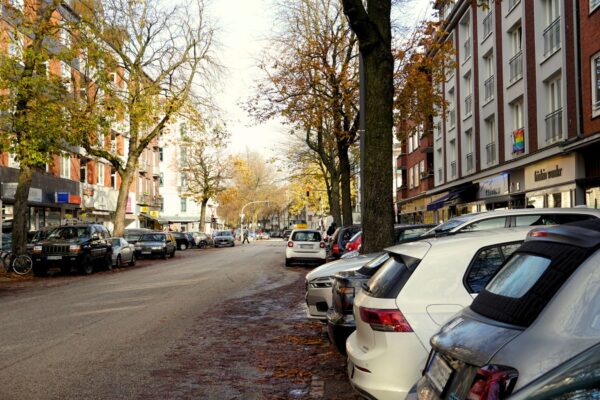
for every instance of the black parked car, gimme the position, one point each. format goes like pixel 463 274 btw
pixel 340 320
pixel 184 241
pixel 156 243
pixel 341 236
pixel 81 246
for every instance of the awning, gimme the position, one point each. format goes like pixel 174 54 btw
pixel 450 197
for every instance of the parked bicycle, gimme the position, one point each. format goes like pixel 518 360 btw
pixel 19 264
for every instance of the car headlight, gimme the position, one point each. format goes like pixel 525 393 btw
pixel 321 283
pixel 74 248
pixel 158 247
pixel 37 249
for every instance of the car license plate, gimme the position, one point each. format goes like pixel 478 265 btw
pixel 54 257
pixel 306 246
pixel 439 373
pixel 146 252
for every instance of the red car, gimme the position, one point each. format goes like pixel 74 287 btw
pixel 354 242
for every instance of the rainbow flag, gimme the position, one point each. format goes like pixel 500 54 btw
pixel 519 141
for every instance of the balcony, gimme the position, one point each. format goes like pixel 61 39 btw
pixel 488 24
pixel 490 151
pixel 516 66
pixel 552 37
pixel 401 163
pixel 468 105
pixel 470 163
pixel 452 169
pixel 488 88
pixel 554 126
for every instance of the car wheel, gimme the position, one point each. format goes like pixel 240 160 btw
pixel 165 254
pixel 132 262
pixel 87 265
pixel 202 245
pixel 287 262
pixel 119 261
pixel 182 246
pixel 39 270
pixel 173 253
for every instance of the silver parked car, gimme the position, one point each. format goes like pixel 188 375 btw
pixel 540 310
pixel 223 238
pixel 123 252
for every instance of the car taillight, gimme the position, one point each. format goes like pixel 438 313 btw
pixel 290 244
pixel 347 297
pixel 492 382
pixel 385 320
pixel 335 248
pixel 322 245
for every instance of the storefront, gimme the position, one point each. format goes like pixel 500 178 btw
pixel 452 203
pixel 552 182
pixel 414 210
pixel 498 192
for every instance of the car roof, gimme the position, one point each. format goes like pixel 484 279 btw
pixel 306 230
pixel 527 211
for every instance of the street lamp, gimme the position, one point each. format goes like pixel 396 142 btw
pixel 242 213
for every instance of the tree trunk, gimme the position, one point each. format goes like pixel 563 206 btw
pixel 373 30
pixel 119 221
pixel 203 215
pixel 21 211
pixel 334 200
pixel 345 184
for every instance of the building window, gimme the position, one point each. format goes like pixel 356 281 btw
pixel 83 170
pixel 422 169
pixel 466 33
pixel 469 149
pixel 65 166
pixel 488 85
pixel 468 94
pixel 594 4
pixel 490 148
pixel 488 20
pixel 516 61
pixel 554 116
pixel 410 178
pixel 161 178
pixel 113 178
pixel 100 168
pixel 596 83
pixel 452 157
pixel 183 204
pixel 416 178
pixel 160 154
pixel 517 112
pixel 552 32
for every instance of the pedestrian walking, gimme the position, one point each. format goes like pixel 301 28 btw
pixel 245 234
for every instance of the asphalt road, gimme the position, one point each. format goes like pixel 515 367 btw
pixel 101 336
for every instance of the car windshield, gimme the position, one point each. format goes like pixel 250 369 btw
pixel 153 237
pixel 116 242
pixel 70 232
pixel 133 236
pixel 306 236
pixel 449 225
pixel 41 235
pixel 223 233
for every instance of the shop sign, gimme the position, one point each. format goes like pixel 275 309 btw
pixel 104 199
pixel 154 214
pixel 493 187
pixel 556 170
pixel 10 189
pixel 144 209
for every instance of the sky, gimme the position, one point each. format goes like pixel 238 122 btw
pixel 243 27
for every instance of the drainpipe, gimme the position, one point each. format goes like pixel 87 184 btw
pixel 578 96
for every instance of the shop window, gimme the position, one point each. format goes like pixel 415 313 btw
pixel 592 198
pixel 559 200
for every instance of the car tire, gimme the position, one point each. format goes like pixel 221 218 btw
pixel 202 245
pixel 40 270
pixel 165 254
pixel 119 261
pixel 132 262
pixel 182 246
pixel 287 262
pixel 87 265
pixel 173 253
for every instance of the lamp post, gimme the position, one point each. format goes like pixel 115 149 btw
pixel 242 213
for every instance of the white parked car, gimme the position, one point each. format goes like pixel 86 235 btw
pixel 416 291
pixel 305 246
pixel 319 281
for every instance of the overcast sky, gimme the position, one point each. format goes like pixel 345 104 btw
pixel 244 25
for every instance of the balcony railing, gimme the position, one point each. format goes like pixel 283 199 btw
pixel 513 3
pixel 554 125
pixel 488 87
pixel 451 118
pixel 468 105
pixel 490 151
pixel 516 66
pixel 452 169
pixel 440 175
pixel 488 24
pixel 467 49
pixel 552 37
pixel 470 162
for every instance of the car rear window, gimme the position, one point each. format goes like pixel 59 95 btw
pixel 518 275
pixel 303 236
pixel 356 236
pixel 392 276
pixel 153 237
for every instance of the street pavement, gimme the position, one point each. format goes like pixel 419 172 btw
pixel 102 336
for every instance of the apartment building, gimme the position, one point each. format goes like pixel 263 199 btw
pixel 511 135
pixel 76 185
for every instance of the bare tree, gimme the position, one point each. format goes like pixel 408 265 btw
pixel 162 54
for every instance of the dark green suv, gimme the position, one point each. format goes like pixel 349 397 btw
pixel 81 246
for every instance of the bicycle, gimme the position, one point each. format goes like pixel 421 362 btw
pixel 20 264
